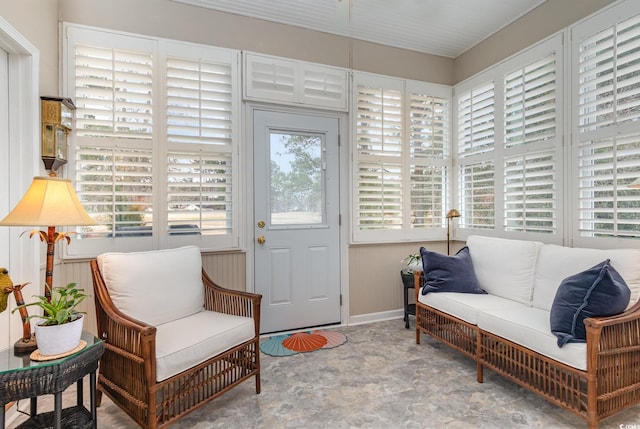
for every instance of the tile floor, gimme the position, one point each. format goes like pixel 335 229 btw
pixel 379 379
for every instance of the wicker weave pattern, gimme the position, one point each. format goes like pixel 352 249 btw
pixel 610 384
pixel 128 366
pixel 41 380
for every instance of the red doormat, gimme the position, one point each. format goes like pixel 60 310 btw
pixel 301 342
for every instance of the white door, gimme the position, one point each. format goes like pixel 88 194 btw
pixel 296 220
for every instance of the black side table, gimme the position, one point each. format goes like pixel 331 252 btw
pixel 408 283
pixel 21 378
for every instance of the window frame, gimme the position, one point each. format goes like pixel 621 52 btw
pixel 405 87
pixel 496 154
pixel 160 49
pixel 598 23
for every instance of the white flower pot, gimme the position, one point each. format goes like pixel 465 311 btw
pixel 58 339
pixel 415 266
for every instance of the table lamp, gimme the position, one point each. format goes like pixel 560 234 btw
pixel 450 215
pixel 635 184
pixel 50 201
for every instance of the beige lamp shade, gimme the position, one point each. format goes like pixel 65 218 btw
pixel 635 184
pixel 49 201
pixel 453 213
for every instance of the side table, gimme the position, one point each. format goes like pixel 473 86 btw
pixel 21 378
pixel 408 283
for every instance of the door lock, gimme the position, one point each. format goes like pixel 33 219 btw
pixel 261 240
pixel 261 224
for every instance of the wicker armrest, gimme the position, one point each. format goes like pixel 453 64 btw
pixel 229 301
pixel 612 344
pixel 599 322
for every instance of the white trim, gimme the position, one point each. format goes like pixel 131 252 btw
pixel 24 148
pixel 361 319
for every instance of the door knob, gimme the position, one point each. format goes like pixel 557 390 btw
pixel 261 239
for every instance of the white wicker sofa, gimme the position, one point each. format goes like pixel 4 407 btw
pixel 508 329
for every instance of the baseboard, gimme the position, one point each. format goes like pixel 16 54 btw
pixel 361 319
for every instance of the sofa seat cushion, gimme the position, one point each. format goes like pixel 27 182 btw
pixel 529 327
pixel 186 342
pixel 465 306
pixel 157 286
pixel 555 263
pixel 504 267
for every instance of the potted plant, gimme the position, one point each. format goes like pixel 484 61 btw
pixel 414 262
pixel 60 326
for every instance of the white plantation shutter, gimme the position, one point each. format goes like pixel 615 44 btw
pixel 476 120
pixel 428 195
pixel 477 194
pixel 324 86
pixel 607 60
pixel 379 138
pixel 606 206
pixel 115 186
pixel 282 80
pixel 113 92
pixel 609 88
pixel 379 196
pixel 429 152
pixel 401 137
pixel 199 193
pixel 512 185
pixel 153 111
pixel 529 195
pixel 476 149
pixel 530 103
pixel 270 78
pixel 199 102
pixel 531 147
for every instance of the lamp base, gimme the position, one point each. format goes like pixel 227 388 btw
pixel 22 347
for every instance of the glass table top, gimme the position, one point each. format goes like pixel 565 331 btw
pixel 10 362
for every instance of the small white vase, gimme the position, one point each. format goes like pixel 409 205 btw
pixel 415 266
pixel 58 339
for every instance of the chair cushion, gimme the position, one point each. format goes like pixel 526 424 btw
pixel 555 263
pixel 443 273
pixel 155 287
pixel 598 291
pixel 529 327
pixel 186 342
pixel 465 306
pixel 505 267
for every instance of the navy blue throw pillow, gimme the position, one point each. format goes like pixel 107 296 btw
pixel 597 292
pixel 445 273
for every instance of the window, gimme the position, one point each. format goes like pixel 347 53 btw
pixel 155 141
pixel 401 154
pixel 606 57
pixel 509 146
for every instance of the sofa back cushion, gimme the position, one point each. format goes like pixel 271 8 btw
pixel 555 263
pixel 504 267
pixel 157 286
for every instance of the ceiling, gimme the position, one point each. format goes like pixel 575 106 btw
pixel 439 27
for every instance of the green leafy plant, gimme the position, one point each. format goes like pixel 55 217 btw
pixel 62 308
pixel 412 258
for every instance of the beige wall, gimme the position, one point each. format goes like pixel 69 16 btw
pixel 164 18
pixel 545 20
pixel 37 21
